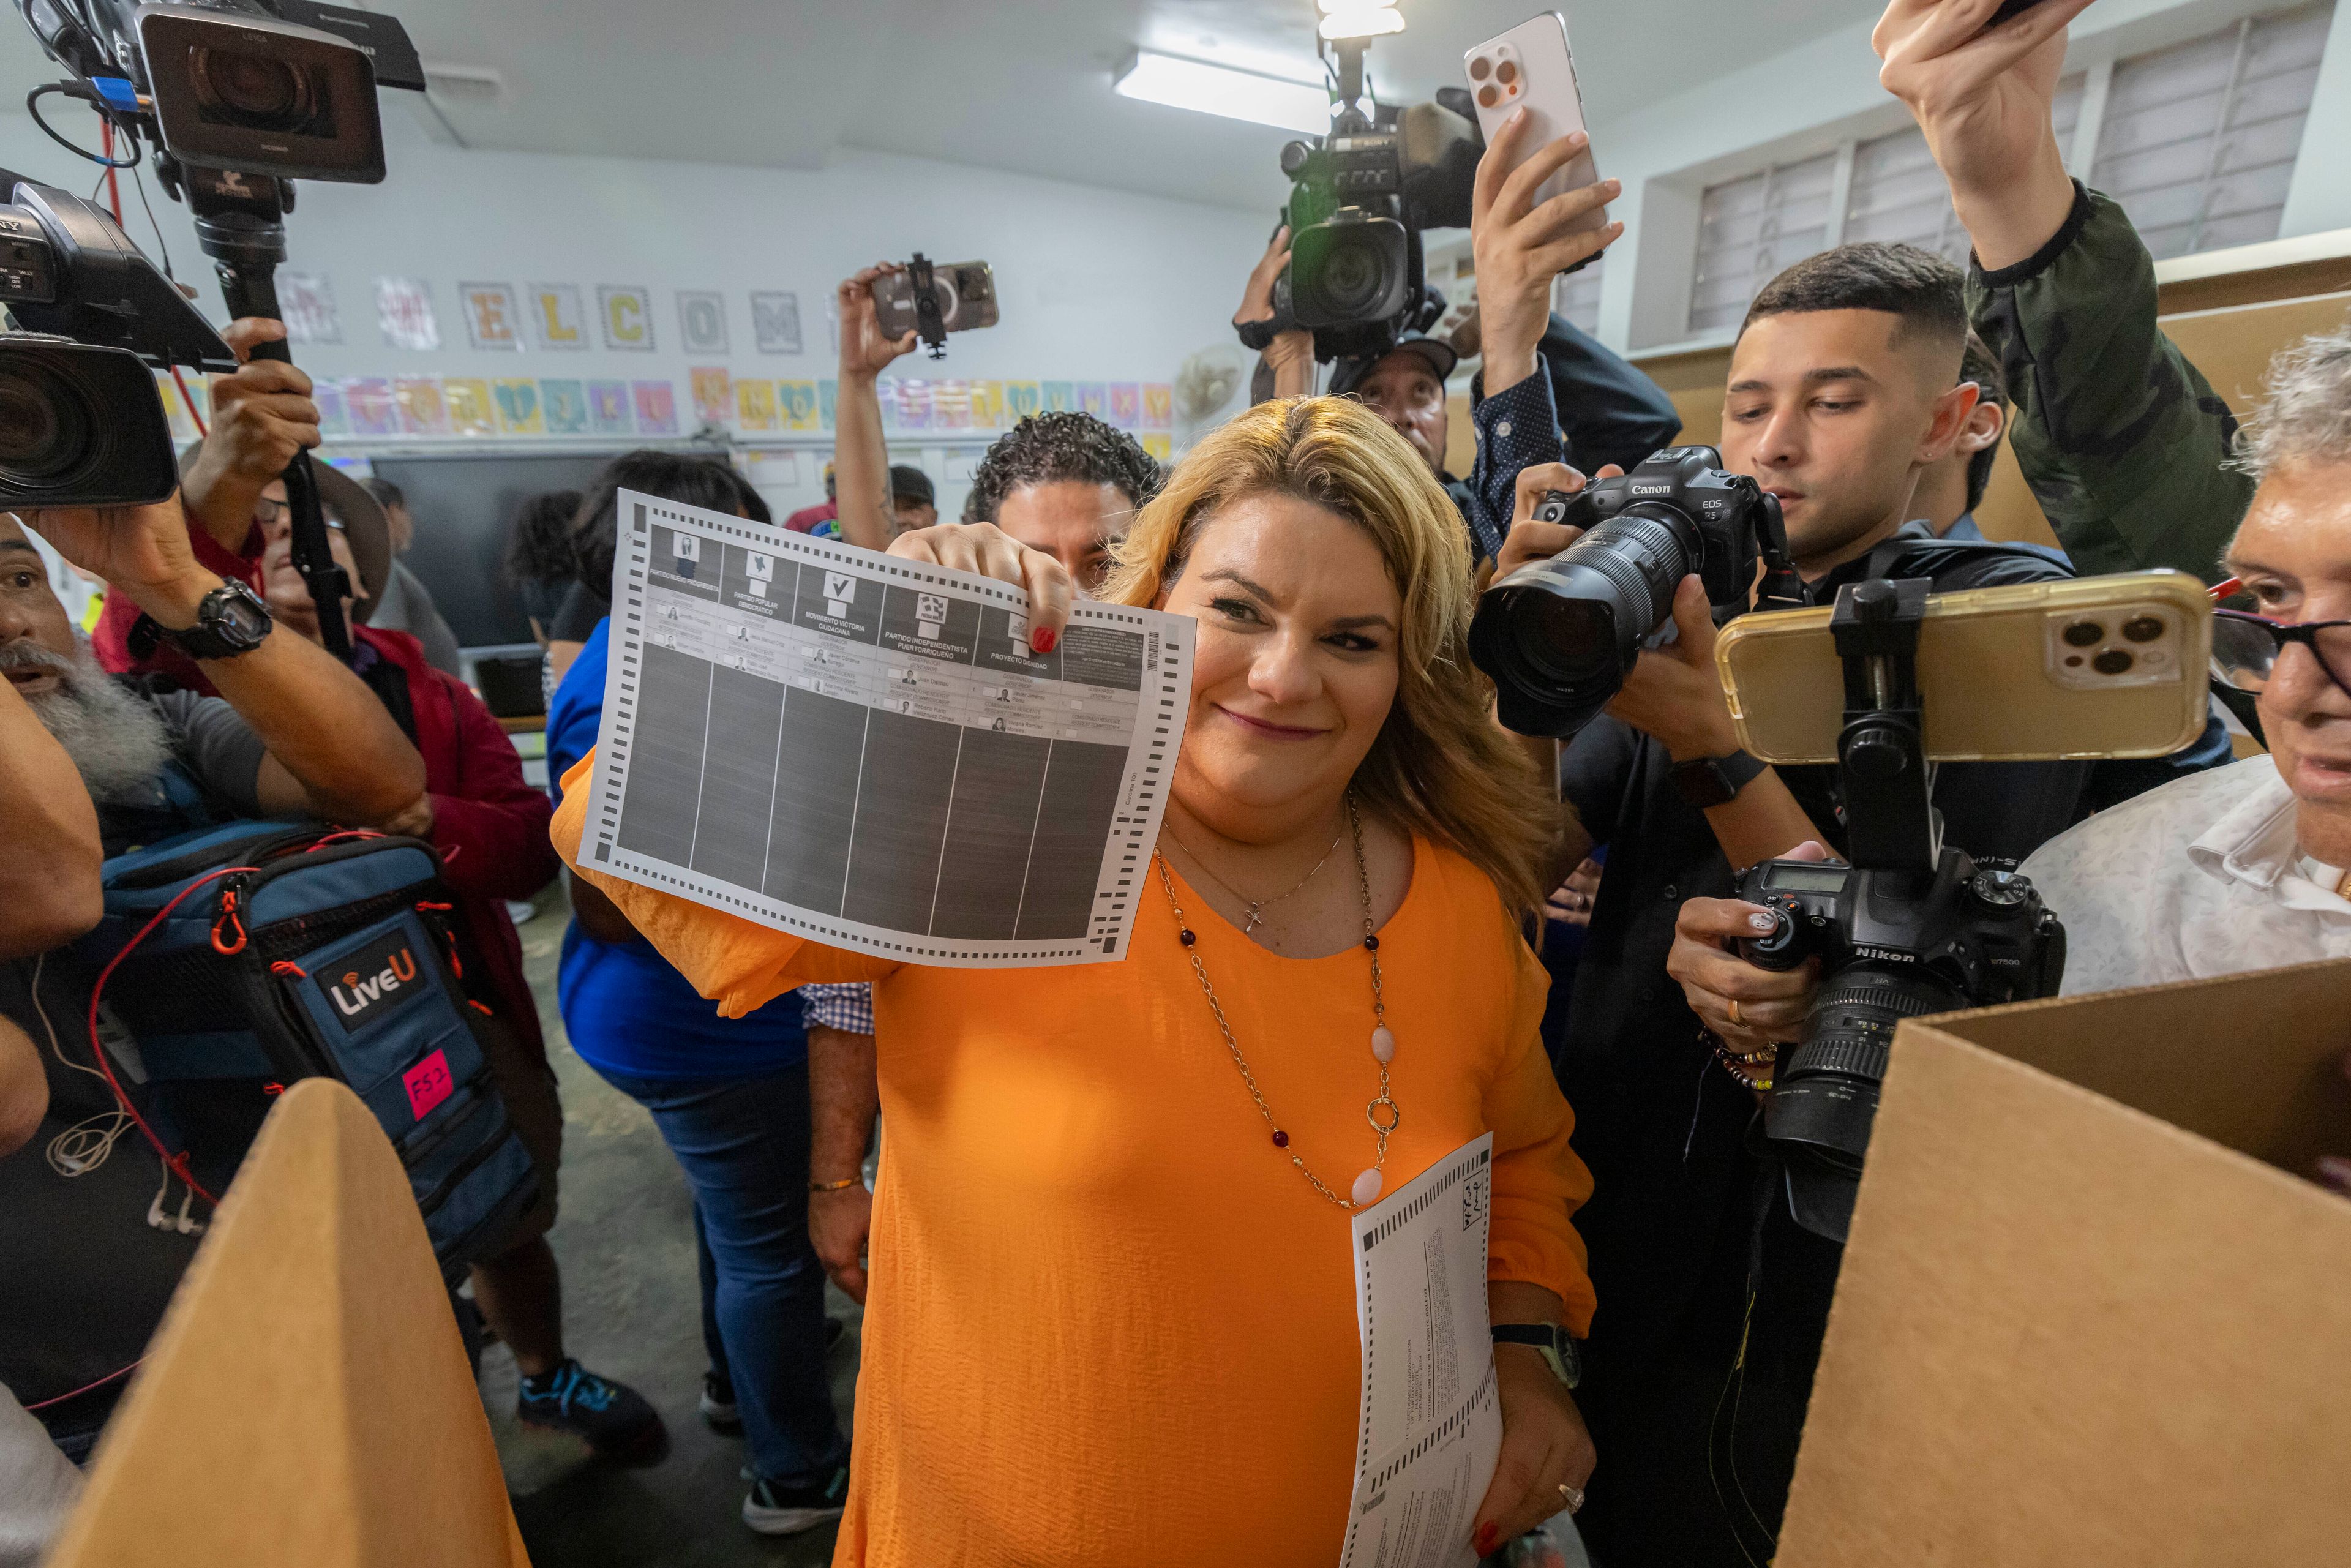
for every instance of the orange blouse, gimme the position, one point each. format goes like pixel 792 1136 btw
pixel 1108 1323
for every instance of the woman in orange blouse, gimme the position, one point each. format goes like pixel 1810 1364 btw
pixel 1112 1317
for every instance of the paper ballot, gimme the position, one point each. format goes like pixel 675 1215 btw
pixel 869 751
pixel 1432 1424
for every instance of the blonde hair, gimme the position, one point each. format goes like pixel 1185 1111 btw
pixel 1440 765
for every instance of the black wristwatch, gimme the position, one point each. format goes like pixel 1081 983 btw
pixel 1715 780
pixel 230 620
pixel 1558 1346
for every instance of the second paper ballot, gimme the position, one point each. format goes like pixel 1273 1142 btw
pixel 868 752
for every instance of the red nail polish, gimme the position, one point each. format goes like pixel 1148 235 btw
pixel 1044 640
pixel 1486 1543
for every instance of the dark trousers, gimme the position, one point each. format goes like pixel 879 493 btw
pixel 1697 1425
pixel 743 1143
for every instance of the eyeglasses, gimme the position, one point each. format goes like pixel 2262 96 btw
pixel 2247 647
pixel 269 514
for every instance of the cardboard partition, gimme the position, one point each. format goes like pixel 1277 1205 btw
pixel 306 1402
pixel 2093 1311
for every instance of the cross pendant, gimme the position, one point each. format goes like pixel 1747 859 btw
pixel 1257 913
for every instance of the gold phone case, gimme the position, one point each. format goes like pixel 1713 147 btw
pixel 2097 666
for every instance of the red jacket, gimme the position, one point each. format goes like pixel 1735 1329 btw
pixel 489 826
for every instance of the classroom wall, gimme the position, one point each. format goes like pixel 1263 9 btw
pixel 1097 284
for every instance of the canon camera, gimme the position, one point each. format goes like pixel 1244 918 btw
pixel 1559 636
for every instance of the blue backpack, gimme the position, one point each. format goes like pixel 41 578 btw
pixel 234 958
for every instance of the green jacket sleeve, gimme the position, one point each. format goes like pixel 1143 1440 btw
pixel 2124 442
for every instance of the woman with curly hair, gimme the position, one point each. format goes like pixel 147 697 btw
pixel 1112 1311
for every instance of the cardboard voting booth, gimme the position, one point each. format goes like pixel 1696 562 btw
pixel 2094 1312
pixel 306 1402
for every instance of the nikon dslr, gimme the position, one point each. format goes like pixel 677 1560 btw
pixel 1892 943
pixel 1559 636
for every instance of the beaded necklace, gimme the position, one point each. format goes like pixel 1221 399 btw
pixel 1382 1112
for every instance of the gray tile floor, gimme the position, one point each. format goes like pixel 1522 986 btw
pixel 625 1238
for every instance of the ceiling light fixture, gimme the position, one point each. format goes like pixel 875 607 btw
pixel 1358 18
pixel 1298 106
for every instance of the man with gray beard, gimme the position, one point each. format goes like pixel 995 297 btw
pixel 297 735
pixel 87 1273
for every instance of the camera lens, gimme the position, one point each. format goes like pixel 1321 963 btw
pixel 1353 279
pixel 2113 662
pixel 1558 637
pixel 2142 628
pixel 252 89
pixel 2085 634
pixel 46 426
pixel 1480 67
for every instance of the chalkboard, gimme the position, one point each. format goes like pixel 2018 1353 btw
pixel 465 506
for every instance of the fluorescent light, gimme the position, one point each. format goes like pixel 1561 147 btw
pixel 1215 89
pixel 1359 18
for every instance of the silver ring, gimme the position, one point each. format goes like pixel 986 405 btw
pixel 1571 1496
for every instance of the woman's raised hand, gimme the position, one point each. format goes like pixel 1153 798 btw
pixel 984 549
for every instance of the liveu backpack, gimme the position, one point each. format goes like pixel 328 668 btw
pixel 233 959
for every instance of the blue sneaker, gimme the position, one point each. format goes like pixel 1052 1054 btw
pixel 774 1509
pixel 615 1419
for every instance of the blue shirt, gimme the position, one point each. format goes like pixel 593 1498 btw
pixel 626 1010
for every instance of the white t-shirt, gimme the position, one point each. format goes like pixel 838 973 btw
pixel 2201 877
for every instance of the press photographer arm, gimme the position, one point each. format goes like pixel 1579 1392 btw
pixel 1520 248
pixel 861 457
pixel 48 878
pixel 332 750
pixel 1672 693
pixel 261 416
pixel 1291 353
pixel 2125 444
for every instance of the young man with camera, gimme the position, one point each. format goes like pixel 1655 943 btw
pixel 1843 389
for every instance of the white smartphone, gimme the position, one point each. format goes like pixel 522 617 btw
pixel 1529 67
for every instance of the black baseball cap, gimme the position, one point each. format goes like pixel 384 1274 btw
pixel 1349 374
pixel 908 483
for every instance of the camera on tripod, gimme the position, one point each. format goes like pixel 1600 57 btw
pixel 1559 636
pixel 82 423
pixel 1912 926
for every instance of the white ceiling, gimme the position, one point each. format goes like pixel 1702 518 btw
pixel 1022 87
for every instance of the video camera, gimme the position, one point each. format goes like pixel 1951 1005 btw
pixel 238 99
pixel 284 89
pixel 82 423
pixel 1559 636
pixel 1359 199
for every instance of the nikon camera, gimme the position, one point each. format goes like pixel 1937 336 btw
pixel 1892 944
pixel 1559 636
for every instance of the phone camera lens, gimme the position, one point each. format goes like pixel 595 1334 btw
pixel 2143 628
pixel 1480 67
pixel 2113 662
pixel 1487 96
pixel 1506 73
pixel 2085 634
